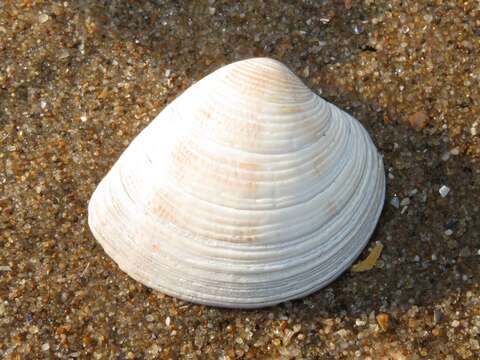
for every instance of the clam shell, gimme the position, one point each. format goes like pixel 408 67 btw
pixel 246 191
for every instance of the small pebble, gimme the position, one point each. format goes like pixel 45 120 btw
pixel 452 244
pixel 360 322
pixel 306 71
pixel 418 120
pixel 448 232
pixel 423 196
pixel 395 202
pixel 154 349
pixel 167 321
pixel 446 156
pixel 474 344
pixel 43 18
pixel 455 151
pixel 473 129
pixel 46 347
pixel 465 252
pixel 444 190
pixel 428 18
pixel 357 29
pixel 63 53
pixel 437 316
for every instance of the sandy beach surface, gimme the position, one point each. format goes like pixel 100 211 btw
pixel 80 79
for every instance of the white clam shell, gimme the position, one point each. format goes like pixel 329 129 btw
pixel 246 191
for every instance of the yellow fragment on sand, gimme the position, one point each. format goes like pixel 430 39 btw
pixel 370 261
pixel 383 321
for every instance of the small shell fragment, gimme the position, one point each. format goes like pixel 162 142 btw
pixel 369 262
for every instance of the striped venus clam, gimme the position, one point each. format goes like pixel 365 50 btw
pixel 246 191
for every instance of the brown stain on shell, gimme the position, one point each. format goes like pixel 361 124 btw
pixel 186 164
pixel 332 209
pixel 181 219
pixel 246 132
